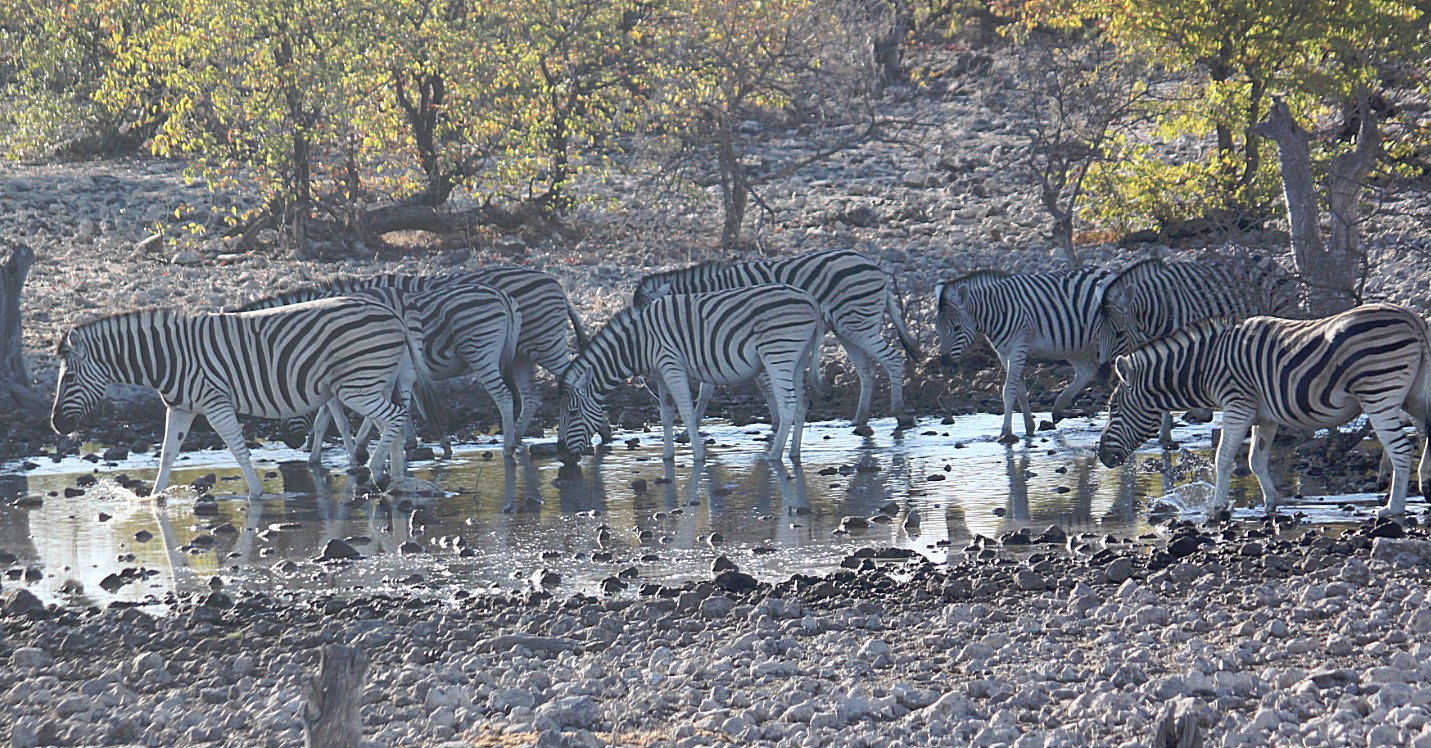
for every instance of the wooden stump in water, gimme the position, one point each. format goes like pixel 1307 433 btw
pixel 331 718
pixel 15 263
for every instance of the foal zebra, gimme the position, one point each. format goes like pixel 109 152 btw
pixel 274 363
pixel 1152 298
pixel 770 332
pixel 853 291
pixel 1051 316
pixel 466 327
pixel 546 313
pixel 1266 372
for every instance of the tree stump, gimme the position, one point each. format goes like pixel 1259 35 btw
pixel 15 263
pixel 331 718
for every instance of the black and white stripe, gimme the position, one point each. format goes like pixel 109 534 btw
pixel 546 312
pixel 467 327
pixel 1153 298
pixel 1051 316
pixel 771 333
pixel 275 363
pixel 854 293
pixel 1266 372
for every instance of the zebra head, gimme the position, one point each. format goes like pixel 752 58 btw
pixel 83 379
pixel 1132 416
pixel 581 414
pixel 955 324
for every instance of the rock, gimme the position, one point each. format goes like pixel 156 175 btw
pixel 337 549
pixel 722 563
pixel 1030 581
pixel 735 581
pixel 717 606
pixel 410 547
pixel 1401 552
pixel 1054 535
pixel 1119 570
pixel 19 602
pixel 31 657
pixel 580 712
pixel 1388 529
pixel 187 257
pixel 877 652
pixel 1185 545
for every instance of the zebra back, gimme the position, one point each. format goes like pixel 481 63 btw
pixel 1057 312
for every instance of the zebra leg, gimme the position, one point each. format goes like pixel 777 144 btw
pixel 488 369
pixel 524 372
pixel 678 388
pixel 892 361
pixel 1015 390
pixel 1392 428
pixel 225 421
pixel 860 359
pixel 1235 424
pixel 707 391
pixel 1258 456
pixel 668 421
pixel 1083 372
pixel 176 427
pixel 762 380
pixel 785 388
pixel 1165 432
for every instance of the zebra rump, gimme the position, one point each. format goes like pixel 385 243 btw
pixel 1266 372
pixel 770 333
pixel 852 290
pixel 274 363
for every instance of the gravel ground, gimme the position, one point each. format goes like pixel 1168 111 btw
pixel 1249 635
pixel 1256 640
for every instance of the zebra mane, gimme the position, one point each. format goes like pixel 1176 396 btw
pixel 304 293
pixel 695 269
pixel 1199 330
pixel 153 312
pixel 978 276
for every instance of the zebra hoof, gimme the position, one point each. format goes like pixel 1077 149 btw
pixel 864 429
pixel 1008 439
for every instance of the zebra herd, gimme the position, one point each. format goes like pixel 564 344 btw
pixel 1174 335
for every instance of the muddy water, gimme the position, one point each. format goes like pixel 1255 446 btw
pixel 626 514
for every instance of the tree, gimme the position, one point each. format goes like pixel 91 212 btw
pixel 1073 100
pixel 15 263
pixel 727 68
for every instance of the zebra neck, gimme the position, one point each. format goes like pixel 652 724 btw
pixel 1190 376
pixel 141 349
pixel 615 354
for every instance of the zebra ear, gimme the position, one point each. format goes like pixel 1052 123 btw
pixel 1123 368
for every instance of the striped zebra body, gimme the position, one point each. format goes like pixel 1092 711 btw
pixel 770 332
pixel 275 363
pixel 854 293
pixel 467 327
pixel 1051 316
pixel 1266 372
pixel 1153 298
pixel 546 314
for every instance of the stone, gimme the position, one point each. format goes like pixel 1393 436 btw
pixel 1030 581
pixel 1401 552
pixel 337 549
pixel 31 657
pixel 1119 570
pixel 19 602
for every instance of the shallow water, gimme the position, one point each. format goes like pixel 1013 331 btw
pixel 522 517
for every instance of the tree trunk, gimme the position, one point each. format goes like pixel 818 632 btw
pixel 1329 278
pixel 735 187
pixel 1345 181
pixel 15 263
pixel 331 718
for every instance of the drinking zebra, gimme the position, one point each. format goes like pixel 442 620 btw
pixel 274 363
pixel 1266 372
pixel 546 313
pixel 466 326
pixel 1052 316
pixel 853 291
pixel 770 332
pixel 1152 298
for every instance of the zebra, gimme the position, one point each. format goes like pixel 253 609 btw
pixel 466 326
pixel 1152 298
pixel 853 291
pixel 1052 315
pixel 546 313
pixel 770 332
pixel 1266 372
pixel 274 363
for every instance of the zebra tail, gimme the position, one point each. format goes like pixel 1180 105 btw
pixel 581 337
pixel 896 315
pixel 427 406
pixel 814 383
pixel 509 354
